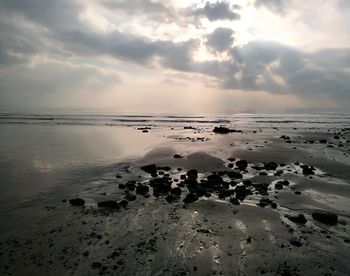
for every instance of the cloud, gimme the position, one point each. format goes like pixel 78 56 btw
pixel 220 39
pixel 274 5
pixel 217 11
pixel 53 29
pixel 275 68
pixel 156 11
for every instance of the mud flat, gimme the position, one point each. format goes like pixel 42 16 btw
pixel 235 201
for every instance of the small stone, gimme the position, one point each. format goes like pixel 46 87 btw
pixel 299 219
pixel 325 217
pixel 77 202
pixel 191 197
pixel 108 204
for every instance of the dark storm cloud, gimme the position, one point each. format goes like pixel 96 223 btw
pixel 220 10
pixel 220 39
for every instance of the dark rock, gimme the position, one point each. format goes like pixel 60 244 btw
pixel 323 141
pixel 176 191
pixel 234 201
pixel 177 156
pixel 215 179
pixel 130 185
pixel 192 173
pixel 118 176
pixel 234 175
pixel 121 186
pixel 300 219
pixel 151 169
pixel 77 202
pixel 164 168
pixel 264 202
pixel 241 192
pixel 224 130
pixel 273 205
pixel 123 203
pixel 170 198
pixel 307 170
pixel 263 173
pixel 325 217
pixel 142 189
pixel 247 182
pixel 130 197
pixel 242 164
pixel 279 185
pixel 191 197
pixel 295 242
pixel 108 204
pixel 271 166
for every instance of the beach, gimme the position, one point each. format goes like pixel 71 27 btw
pixel 244 194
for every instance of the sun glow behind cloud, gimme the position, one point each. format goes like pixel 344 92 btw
pixel 213 50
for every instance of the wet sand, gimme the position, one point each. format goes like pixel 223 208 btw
pixel 285 211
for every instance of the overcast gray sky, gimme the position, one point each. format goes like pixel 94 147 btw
pixel 175 56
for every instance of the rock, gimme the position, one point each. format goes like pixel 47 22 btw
pixel 130 185
pixel 241 192
pixel 151 169
pixel 164 168
pixel 77 202
pixel 121 186
pixel 295 242
pixel 192 173
pixel 234 175
pixel 242 164
pixel 234 201
pixel 323 141
pixel 191 197
pixel 118 176
pixel 224 130
pixel 142 189
pixel 273 205
pixel 176 191
pixel 325 217
pixel 279 185
pixel 130 197
pixel 177 156
pixel 307 170
pixel 247 182
pixel 300 219
pixel 109 204
pixel 170 198
pixel 215 179
pixel 271 166
pixel 264 202
pixel 123 203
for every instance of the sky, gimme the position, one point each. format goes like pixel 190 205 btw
pixel 175 56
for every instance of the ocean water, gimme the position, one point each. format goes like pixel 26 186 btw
pixel 39 152
pixel 306 121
